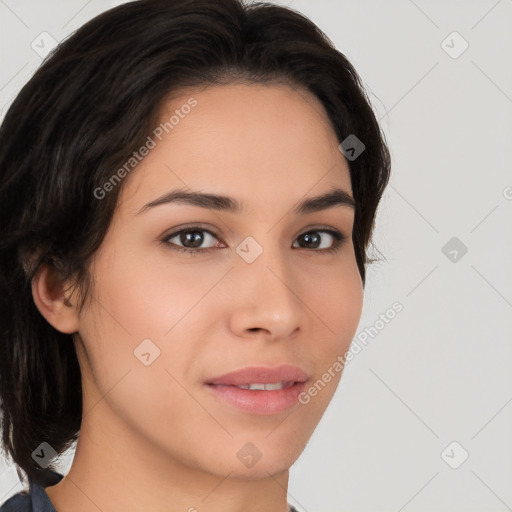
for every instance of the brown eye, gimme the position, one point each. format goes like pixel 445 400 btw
pixel 190 240
pixel 313 240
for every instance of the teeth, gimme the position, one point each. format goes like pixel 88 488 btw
pixel 266 387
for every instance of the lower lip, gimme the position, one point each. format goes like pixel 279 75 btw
pixel 259 401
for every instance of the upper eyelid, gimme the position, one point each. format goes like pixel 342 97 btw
pixel 173 233
pixel 213 231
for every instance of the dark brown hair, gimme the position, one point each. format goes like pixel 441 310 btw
pixel 90 105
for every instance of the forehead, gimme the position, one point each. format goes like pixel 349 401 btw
pixel 254 142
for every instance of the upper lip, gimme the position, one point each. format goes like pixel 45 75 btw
pixel 261 375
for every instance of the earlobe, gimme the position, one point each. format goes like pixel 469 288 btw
pixel 52 300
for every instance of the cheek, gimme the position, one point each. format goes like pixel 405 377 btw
pixel 347 304
pixel 338 304
pixel 337 301
pixel 134 301
pixel 143 295
pixel 335 294
pixel 141 305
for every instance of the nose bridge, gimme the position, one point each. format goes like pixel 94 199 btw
pixel 267 261
pixel 267 295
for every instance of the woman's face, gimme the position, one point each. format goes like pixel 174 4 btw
pixel 261 289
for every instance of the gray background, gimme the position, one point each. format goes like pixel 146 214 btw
pixel 438 372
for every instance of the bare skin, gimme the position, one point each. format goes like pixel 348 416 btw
pixel 152 437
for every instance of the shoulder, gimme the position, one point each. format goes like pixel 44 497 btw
pixel 35 498
pixel 21 502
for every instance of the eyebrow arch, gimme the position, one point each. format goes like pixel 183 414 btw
pixel 332 198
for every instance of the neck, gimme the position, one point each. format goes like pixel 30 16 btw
pixel 115 469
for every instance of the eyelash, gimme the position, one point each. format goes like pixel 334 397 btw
pixel 339 238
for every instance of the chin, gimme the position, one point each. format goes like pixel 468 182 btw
pixel 261 458
pixel 260 471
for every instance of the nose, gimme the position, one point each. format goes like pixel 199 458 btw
pixel 267 298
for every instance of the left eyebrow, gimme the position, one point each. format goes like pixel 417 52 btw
pixel 330 199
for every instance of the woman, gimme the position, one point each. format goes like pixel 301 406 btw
pixel 187 192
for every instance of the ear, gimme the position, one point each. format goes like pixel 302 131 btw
pixel 53 300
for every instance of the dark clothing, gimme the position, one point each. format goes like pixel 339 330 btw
pixel 36 499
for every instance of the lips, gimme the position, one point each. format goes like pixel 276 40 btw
pixel 284 373
pixel 272 390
